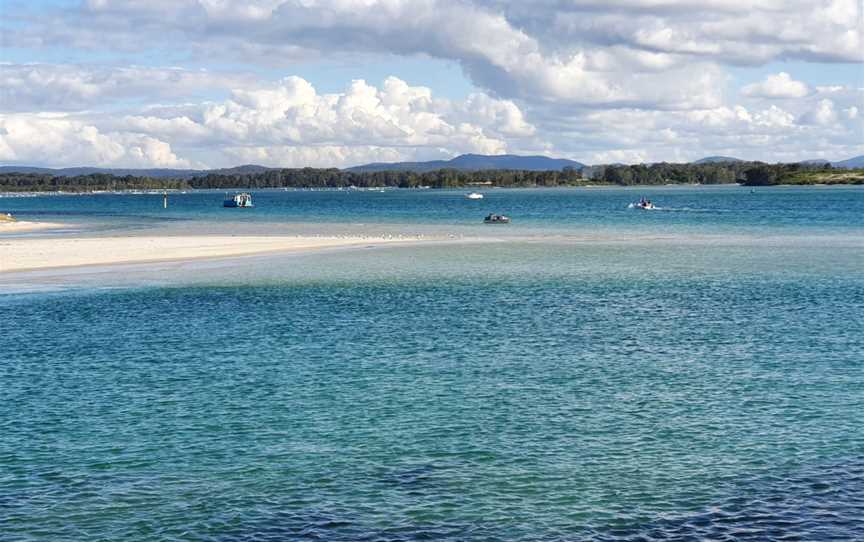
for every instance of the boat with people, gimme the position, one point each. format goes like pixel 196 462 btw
pixel 474 195
pixel 241 199
pixel 643 203
pixel 493 218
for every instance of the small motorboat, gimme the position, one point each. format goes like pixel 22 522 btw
pixel 643 204
pixel 496 219
pixel 474 195
pixel 243 199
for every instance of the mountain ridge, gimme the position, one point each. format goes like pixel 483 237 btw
pixel 850 163
pixel 462 162
pixel 158 173
pixel 716 160
pixel 470 162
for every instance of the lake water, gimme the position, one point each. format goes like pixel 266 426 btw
pixel 588 372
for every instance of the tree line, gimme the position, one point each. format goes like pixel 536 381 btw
pixel 747 173
pixel 668 173
pixel 291 178
pixel 769 175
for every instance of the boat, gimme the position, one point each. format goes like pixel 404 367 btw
pixel 474 195
pixel 492 218
pixel 242 199
pixel 643 204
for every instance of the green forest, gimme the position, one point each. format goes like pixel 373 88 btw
pixel 292 178
pixel 746 173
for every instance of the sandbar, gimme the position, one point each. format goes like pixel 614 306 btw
pixel 17 226
pixel 25 254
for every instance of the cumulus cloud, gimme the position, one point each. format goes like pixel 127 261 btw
pixel 56 87
pixel 779 85
pixel 319 156
pixel 762 132
pixel 59 140
pixel 640 53
pixel 822 114
pixel 273 122
pixel 595 80
pixel 287 123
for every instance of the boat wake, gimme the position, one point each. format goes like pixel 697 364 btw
pixel 678 209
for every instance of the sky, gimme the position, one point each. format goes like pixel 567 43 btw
pixel 336 83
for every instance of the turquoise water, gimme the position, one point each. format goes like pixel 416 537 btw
pixel 719 209
pixel 679 375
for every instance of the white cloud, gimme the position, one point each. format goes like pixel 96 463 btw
pixel 288 122
pixel 321 156
pixel 57 140
pixel 54 87
pixel 780 85
pixel 769 133
pixel 583 52
pixel 823 114
pixel 621 156
pixel 594 80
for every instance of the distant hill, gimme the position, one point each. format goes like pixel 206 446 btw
pixel 816 162
pixel 75 171
pixel 717 160
pixel 465 162
pixel 857 162
pixel 246 169
pixel 476 162
pixel 158 173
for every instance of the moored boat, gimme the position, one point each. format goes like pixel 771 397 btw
pixel 474 195
pixel 493 218
pixel 242 199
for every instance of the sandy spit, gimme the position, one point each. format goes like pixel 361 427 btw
pixel 17 226
pixel 32 254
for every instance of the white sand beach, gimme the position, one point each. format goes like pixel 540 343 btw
pixel 46 253
pixel 17 226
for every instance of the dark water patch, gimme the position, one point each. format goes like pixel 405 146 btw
pixel 823 503
pixel 826 503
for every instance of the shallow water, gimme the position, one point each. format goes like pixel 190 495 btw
pixel 684 382
pixel 710 209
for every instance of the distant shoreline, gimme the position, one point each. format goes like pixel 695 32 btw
pixel 175 191
pixel 660 174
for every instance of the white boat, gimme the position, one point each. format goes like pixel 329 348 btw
pixel 243 199
pixel 474 195
pixel 642 204
pixel 496 219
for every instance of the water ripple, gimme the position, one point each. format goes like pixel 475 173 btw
pixel 528 408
